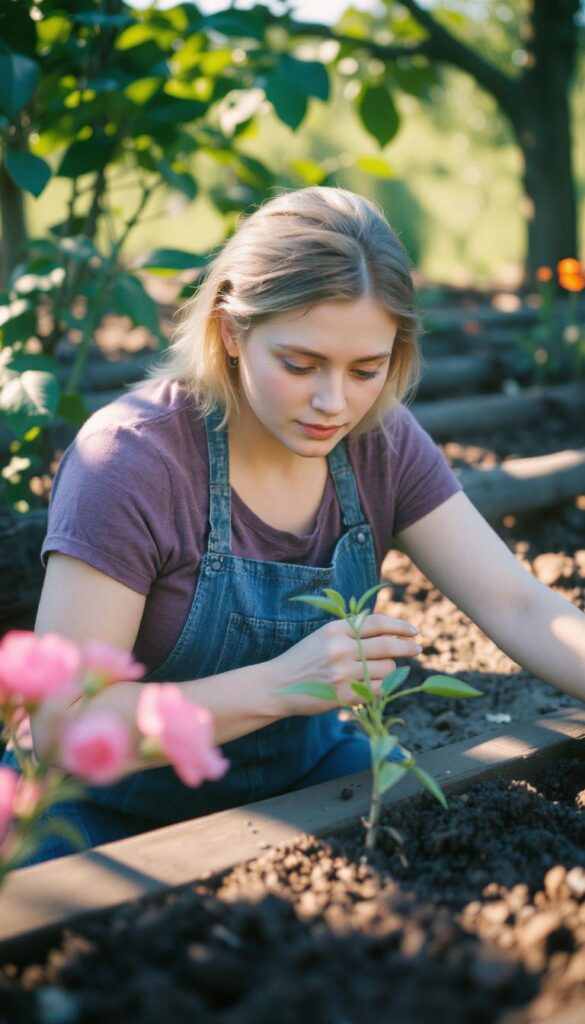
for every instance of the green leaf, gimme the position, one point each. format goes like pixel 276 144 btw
pixel 324 603
pixel 445 686
pixel 335 596
pixel 375 165
pixel 170 260
pixel 365 597
pixel 27 171
pixel 142 90
pixel 381 746
pixel 73 409
pixel 310 171
pixel 430 784
pixel 378 113
pixel 307 76
pixel 86 155
pixel 28 399
pixel 130 299
pixel 288 101
pixel 246 24
pixel 361 691
pixel 19 77
pixel 394 679
pixel 311 688
pixel 389 775
pixel 29 361
pixel 179 180
pixel 358 620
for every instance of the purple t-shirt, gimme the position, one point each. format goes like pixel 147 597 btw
pixel 131 498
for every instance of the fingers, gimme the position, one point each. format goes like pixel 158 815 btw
pixel 390 647
pixel 376 625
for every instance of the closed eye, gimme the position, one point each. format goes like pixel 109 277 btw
pixel 360 374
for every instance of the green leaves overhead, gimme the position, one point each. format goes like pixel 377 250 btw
pixel 169 261
pixel 291 83
pixel 246 24
pixel 28 171
pixel 19 78
pixel 378 113
pixel 178 179
pixel 86 155
pixel 289 102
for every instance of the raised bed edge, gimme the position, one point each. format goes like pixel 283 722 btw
pixel 39 901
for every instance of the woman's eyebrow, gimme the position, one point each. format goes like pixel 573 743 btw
pixel 323 359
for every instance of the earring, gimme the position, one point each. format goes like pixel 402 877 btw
pixel 233 360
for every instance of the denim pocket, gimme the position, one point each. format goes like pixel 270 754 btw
pixel 251 640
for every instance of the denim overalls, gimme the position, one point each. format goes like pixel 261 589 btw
pixel 241 615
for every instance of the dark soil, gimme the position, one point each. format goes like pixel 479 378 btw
pixel 472 915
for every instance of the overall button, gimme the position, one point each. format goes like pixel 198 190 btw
pixel 361 537
pixel 216 564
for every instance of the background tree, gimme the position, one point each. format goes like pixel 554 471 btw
pixel 529 71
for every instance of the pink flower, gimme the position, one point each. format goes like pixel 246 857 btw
pixel 36 667
pixel 106 665
pixel 183 731
pixel 96 746
pixel 8 786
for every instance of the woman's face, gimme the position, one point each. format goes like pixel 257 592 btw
pixel 325 367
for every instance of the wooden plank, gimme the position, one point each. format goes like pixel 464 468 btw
pixel 37 901
pixel 521 485
pixel 444 419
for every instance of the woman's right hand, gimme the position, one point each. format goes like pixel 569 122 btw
pixel 331 655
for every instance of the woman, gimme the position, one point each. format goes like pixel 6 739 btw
pixel 269 456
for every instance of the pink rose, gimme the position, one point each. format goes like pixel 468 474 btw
pixel 8 786
pixel 97 747
pixel 36 667
pixel 183 731
pixel 106 665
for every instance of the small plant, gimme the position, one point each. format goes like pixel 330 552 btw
pixel 96 747
pixel 390 760
pixel 555 345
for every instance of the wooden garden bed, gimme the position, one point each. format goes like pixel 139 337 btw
pixel 37 902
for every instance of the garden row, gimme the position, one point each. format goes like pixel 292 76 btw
pixel 450 920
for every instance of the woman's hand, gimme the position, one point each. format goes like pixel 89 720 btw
pixel 331 655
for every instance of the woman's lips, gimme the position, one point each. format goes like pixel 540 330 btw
pixel 319 432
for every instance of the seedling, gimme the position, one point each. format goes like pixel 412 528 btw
pixel 390 760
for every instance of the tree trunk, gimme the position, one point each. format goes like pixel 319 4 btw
pixel 14 233
pixel 543 125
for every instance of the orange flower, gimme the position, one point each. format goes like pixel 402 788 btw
pixel 569 266
pixel 572 282
pixel 544 274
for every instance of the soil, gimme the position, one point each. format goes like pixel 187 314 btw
pixel 472 915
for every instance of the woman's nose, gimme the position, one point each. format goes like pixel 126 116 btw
pixel 330 397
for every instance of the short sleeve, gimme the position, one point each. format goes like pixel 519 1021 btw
pixel 424 479
pixel 109 506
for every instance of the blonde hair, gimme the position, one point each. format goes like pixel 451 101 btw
pixel 298 249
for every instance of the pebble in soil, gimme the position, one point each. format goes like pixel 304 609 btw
pixel 476 914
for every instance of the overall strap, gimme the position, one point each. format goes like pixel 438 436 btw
pixel 220 502
pixel 345 485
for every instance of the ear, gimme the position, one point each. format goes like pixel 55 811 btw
pixel 229 333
